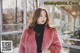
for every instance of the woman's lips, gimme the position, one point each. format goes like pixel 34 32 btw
pixel 43 21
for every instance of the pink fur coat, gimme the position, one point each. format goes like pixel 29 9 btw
pixel 50 41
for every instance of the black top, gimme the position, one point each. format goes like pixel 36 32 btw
pixel 39 32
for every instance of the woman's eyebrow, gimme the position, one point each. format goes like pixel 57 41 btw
pixel 45 14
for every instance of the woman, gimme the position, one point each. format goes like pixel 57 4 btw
pixel 39 37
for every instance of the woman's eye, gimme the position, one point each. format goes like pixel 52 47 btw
pixel 40 15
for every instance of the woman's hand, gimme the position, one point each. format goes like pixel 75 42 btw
pixel 46 51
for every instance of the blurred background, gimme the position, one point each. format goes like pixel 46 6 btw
pixel 15 15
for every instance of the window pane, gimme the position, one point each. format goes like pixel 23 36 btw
pixel 12 15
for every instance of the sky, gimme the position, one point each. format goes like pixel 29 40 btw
pixel 11 3
pixel 7 4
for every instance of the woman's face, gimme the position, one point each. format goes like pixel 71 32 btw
pixel 42 18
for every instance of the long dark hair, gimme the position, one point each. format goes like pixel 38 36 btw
pixel 35 18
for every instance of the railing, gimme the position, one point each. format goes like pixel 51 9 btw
pixel 11 32
pixel 12 24
pixel 69 45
